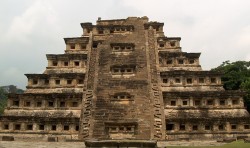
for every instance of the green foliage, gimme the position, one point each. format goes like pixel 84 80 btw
pixel 236 76
pixel 12 89
pixel 246 86
pixel 3 100
pixel 4 90
pixel 19 91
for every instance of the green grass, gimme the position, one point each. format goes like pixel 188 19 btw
pixel 235 144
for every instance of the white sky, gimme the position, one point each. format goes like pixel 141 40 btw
pixel 219 29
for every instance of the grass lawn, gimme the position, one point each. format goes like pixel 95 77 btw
pixel 235 144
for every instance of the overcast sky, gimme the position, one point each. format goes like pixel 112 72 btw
pixel 219 29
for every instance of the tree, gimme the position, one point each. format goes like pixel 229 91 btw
pixel 3 100
pixel 236 75
pixel 4 90
pixel 12 89
pixel 246 86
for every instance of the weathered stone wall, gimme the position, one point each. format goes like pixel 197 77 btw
pixel 129 117
pixel 158 123
pixel 124 79
pixel 205 128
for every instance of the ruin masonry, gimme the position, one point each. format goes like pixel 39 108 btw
pixel 124 79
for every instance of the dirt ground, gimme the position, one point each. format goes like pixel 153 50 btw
pixel 22 144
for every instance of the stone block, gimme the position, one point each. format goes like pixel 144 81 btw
pixel 121 143
pixel 61 138
pixel 184 139
pixel 7 138
pixel 52 139
pixel 220 140
pixel 228 140
pixel 241 137
pixel 247 140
